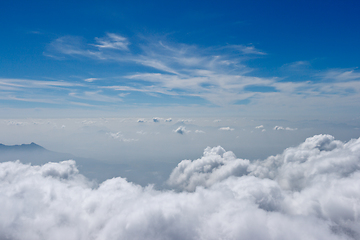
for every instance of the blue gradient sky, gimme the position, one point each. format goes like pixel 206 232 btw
pixel 282 59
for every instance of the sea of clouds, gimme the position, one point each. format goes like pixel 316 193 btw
pixel 311 191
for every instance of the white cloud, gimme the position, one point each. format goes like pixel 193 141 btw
pixel 215 75
pixel 199 131
pixel 156 119
pixel 129 139
pixel 141 132
pixel 115 135
pixel 168 120
pixel 311 191
pixel 215 165
pixel 259 127
pixel 180 67
pixel 119 136
pixel 95 96
pixel 140 120
pixel 282 128
pixel 72 46
pixel 88 122
pixel 91 79
pixel 341 75
pixel 226 129
pixel 18 84
pixel 181 130
pixel 247 49
pixel 112 41
pixel 185 120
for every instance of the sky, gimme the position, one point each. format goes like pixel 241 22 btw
pixel 288 60
pixel 182 119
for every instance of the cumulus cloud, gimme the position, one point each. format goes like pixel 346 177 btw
pixel 259 127
pixel 119 136
pixel 156 119
pixel 317 179
pixel 215 165
pixel 140 120
pixel 226 129
pixel 168 120
pixel 181 130
pixel 282 128
pixel 311 191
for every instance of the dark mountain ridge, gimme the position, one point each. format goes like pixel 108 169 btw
pixel 23 147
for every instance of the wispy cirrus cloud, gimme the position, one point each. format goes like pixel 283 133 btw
pixel 341 75
pixel 95 96
pixel 52 92
pixel 112 41
pixel 28 83
pixel 91 79
pixel 218 75
pixel 247 49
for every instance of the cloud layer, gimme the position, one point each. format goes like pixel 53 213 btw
pixel 311 191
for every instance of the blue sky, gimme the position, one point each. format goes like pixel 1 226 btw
pixel 256 58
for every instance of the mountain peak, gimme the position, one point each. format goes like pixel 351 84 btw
pixel 26 147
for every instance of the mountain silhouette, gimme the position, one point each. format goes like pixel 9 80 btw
pixel 23 147
pixel 35 154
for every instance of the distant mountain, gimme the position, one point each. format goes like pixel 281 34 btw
pixel 37 155
pixel 100 171
pixel 23 147
pixel 31 153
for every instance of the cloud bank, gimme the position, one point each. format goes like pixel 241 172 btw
pixel 311 191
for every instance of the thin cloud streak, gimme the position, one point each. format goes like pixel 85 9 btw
pixel 179 70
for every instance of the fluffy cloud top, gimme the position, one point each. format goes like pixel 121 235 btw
pixel 214 166
pixel 311 191
pixel 181 130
